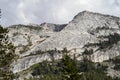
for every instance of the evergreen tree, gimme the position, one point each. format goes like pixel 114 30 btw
pixel 6 55
pixel 69 68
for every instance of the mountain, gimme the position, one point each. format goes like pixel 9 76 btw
pixel 87 30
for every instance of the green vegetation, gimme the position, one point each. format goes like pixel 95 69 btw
pixel 98 29
pixel 51 52
pixel 69 69
pixel 88 52
pixel 106 44
pixel 116 62
pixel 15 34
pixel 7 55
pixel 65 50
pixel 31 27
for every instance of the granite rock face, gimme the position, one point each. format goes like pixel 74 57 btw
pixel 85 28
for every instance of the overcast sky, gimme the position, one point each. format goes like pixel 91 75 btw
pixel 52 11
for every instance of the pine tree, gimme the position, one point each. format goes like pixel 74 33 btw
pixel 69 68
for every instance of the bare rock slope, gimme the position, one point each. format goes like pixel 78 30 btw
pixel 87 30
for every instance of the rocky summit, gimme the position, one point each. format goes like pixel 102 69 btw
pixel 87 30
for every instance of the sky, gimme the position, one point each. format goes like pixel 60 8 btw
pixel 52 11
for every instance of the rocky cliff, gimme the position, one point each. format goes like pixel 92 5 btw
pixel 87 30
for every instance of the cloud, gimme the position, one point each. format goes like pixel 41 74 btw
pixel 52 11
